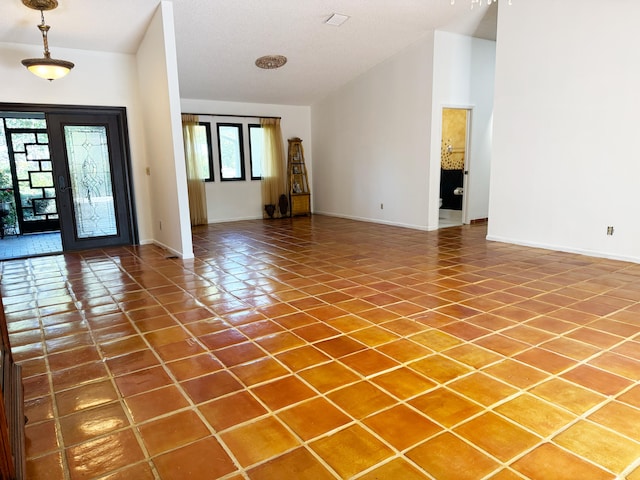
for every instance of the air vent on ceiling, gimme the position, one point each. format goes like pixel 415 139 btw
pixel 336 19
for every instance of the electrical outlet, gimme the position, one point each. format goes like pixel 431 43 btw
pixel 610 230
pixel 382 206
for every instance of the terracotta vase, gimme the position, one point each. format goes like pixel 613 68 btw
pixel 283 205
pixel 270 209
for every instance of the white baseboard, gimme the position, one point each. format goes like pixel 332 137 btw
pixel 381 222
pixel 172 251
pixel 562 248
pixel 235 219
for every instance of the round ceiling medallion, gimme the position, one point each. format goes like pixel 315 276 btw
pixel 41 4
pixel 269 62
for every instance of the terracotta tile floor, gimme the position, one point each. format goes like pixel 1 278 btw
pixel 322 348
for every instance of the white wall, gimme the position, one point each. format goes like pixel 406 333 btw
pixel 372 140
pixel 160 98
pixel 229 201
pixel 463 70
pixel 100 79
pixel 377 140
pixel 566 108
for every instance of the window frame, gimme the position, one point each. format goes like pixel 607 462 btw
pixel 249 127
pixel 239 128
pixel 207 132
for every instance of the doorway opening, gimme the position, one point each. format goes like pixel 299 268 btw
pixel 453 170
pixel 64 180
pixel 29 223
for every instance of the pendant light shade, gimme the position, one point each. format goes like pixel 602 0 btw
pixel 46 67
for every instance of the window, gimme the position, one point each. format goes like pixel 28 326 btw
pixel 256 146
pixel 203 141
pixel 230 151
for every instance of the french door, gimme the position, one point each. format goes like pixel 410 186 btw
pixel 91 177
pixel 32 171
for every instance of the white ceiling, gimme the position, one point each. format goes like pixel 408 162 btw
pixel 219 40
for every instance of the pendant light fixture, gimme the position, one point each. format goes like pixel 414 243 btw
pixel 46 67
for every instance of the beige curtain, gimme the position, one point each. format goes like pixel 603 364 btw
pixel 273 177
pixel 196 159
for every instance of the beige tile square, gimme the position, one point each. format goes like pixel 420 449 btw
pixel 397 468
pixel 351 450
pixel 350 399
pixel 258 441
pixel 473 356
pixel 435 340
pixel 604 447
pixel 283 392
pixel 446 407
pixel 515 373
pixel 447 457
pixel 369 362
pixel 401 426
pixel 167 433
pixel 93 422
pixel 568 395
pixel 497 436
pixel 102 455
pixel 404 350
pixel 299 464
pixel 550 461
pixel 482 389
pixel 313 418
pixel 403 383
pixel 329 376
pixel 231 410
pixel 202 459
pixel 536 415
pixel 619 417
pixel 440 368
pixel 261 370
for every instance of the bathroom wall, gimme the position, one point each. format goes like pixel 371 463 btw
pixel 454 138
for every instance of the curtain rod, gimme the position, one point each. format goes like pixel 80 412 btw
pixel 229 115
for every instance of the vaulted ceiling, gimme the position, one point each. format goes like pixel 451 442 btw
pixel 218 41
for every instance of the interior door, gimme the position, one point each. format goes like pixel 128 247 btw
pixel 91 169
pixel 467 156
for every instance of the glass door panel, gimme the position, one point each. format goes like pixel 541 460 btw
pixel 90 176
pixel 37 210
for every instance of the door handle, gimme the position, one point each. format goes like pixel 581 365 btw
pixel 62 183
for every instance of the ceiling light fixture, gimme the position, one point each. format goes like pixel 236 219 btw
pixel 46 67
pixel 336 19
pixel 479 2
pixel 270 62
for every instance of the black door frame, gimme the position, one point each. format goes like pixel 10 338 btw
pixel 121 114
pixel 32 226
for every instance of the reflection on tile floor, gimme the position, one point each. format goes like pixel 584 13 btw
pixel 323 348
pixel 33 244
pixel 449 218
